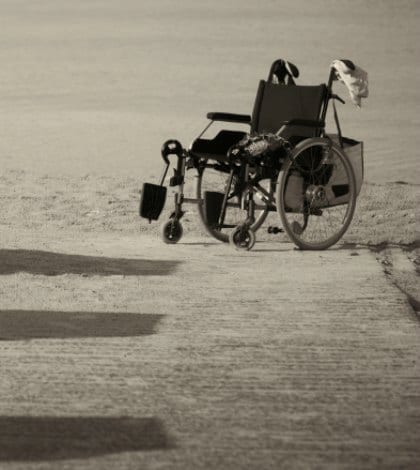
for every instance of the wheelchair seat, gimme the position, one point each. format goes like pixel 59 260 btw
pixel 297 108
pixel 218 147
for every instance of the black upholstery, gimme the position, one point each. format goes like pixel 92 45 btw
pixel 277 104
pixel 216 148
pixel 230 117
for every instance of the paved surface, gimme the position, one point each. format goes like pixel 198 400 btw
pixel 128 353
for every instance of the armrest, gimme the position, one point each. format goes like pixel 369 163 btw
pixel 229 117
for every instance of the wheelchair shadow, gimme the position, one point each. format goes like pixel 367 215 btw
pixel 352 246
pixel 203 244
pixel 45 438
pixel 273 246
pixel 53 264
pixel 18 325
pixel 289 246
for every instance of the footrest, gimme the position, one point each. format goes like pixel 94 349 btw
pixel 213 202
pixel 152 201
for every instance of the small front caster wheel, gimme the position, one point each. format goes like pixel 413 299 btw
pixel 242 237
pixel 172 231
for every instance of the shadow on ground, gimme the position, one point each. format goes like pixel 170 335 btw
pixel 27 324
pixel 53 264
pixel 56 438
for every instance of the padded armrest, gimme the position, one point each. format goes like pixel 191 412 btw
pixel 230 117
pixel 304 123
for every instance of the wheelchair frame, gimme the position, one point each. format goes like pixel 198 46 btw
pixel 248 171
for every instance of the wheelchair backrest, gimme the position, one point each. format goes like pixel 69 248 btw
pixel 275 104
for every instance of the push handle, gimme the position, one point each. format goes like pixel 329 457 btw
pixel 171 147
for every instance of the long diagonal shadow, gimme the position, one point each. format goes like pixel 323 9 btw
pixel 27 324
pixel 52 264
pixel 53 438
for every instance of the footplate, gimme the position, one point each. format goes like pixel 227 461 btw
pixel 152 201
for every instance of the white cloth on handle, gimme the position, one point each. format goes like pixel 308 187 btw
pixel 356 80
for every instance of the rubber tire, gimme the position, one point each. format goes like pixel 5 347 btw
pixel 282 179
pixel 235 238
pixel 172 231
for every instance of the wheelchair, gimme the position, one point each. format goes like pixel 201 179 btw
pixel 286 163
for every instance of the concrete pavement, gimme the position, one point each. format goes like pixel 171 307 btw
pixel 125 352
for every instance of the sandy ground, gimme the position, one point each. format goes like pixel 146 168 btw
pixel 118 351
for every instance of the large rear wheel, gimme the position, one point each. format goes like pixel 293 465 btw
pixel 316 194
